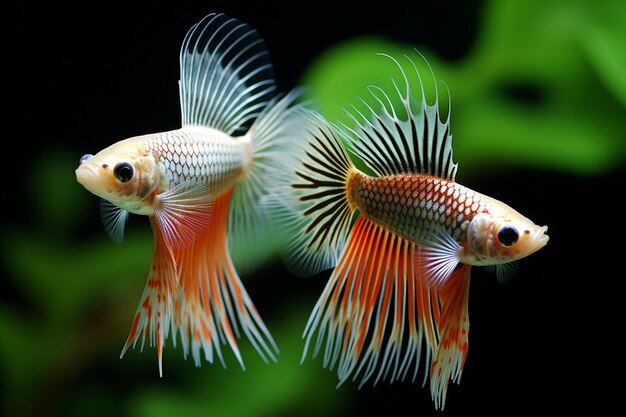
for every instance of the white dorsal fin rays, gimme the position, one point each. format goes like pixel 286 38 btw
pixel 390 143
pixel 183 212
pixel 226 75
pixel 114 219
pixel 438 257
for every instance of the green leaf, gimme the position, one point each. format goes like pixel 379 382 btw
pixel 525 97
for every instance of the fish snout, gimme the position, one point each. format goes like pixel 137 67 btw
pixel 542 236
pixel 86 176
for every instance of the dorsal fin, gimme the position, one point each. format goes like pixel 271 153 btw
pixel 226 77
pixel 388 145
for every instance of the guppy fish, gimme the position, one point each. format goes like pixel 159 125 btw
pixel 402 241
pixel 200 186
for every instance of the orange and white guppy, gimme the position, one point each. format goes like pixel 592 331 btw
pixel 200 185
pixel 402 240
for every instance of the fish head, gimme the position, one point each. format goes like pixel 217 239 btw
pixel 502 235
pixel 125 174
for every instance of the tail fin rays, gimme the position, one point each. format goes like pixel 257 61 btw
pixel 309 204
pixel 249 230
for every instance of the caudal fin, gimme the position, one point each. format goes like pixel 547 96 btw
pixel 308 204
pixel 251 238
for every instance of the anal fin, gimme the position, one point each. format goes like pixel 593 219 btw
pixel 216 306
pixel 159 301
pixel 376 316
pixel 454 329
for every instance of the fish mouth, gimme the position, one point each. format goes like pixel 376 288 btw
pixel 86 176
pixel 541 236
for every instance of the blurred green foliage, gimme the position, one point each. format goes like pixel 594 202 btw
pixel 544 87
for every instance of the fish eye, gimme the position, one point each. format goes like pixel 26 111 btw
pixel 508 235
pixel 123 171
pixel 85 157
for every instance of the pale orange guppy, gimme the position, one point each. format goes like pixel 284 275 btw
pixel 401 240
pixel 201 185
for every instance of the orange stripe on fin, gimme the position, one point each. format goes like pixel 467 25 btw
pixel 454 325
pixel 374 314
pixel 195 290
pixel 158 302
pixel 216 308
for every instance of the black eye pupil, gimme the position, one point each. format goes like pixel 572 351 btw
pixel 123 171
pixel 508 235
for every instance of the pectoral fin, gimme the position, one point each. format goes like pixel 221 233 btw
pixel 438 258
pixel 114 219
pixel 183 212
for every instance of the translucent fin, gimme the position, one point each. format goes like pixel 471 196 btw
pixel 378 319
pixel 308 205
pixel 183 212
pixel 226 77
pixel 249 230
pixel 506 272
pixel 114 219
pixel 438 259
pixel 453 345
pixel 390 145
pixel 159 302
pixel 216 308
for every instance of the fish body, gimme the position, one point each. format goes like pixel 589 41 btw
pixel 412 206
pixel 163 160
pixel 401 238
pixel 166 159
pixel 201 185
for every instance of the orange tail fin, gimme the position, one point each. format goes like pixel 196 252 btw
pixel 375 314
pixel 454 329
pixel 216 306
pixel 159 301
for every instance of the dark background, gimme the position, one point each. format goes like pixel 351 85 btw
pixel 79 77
